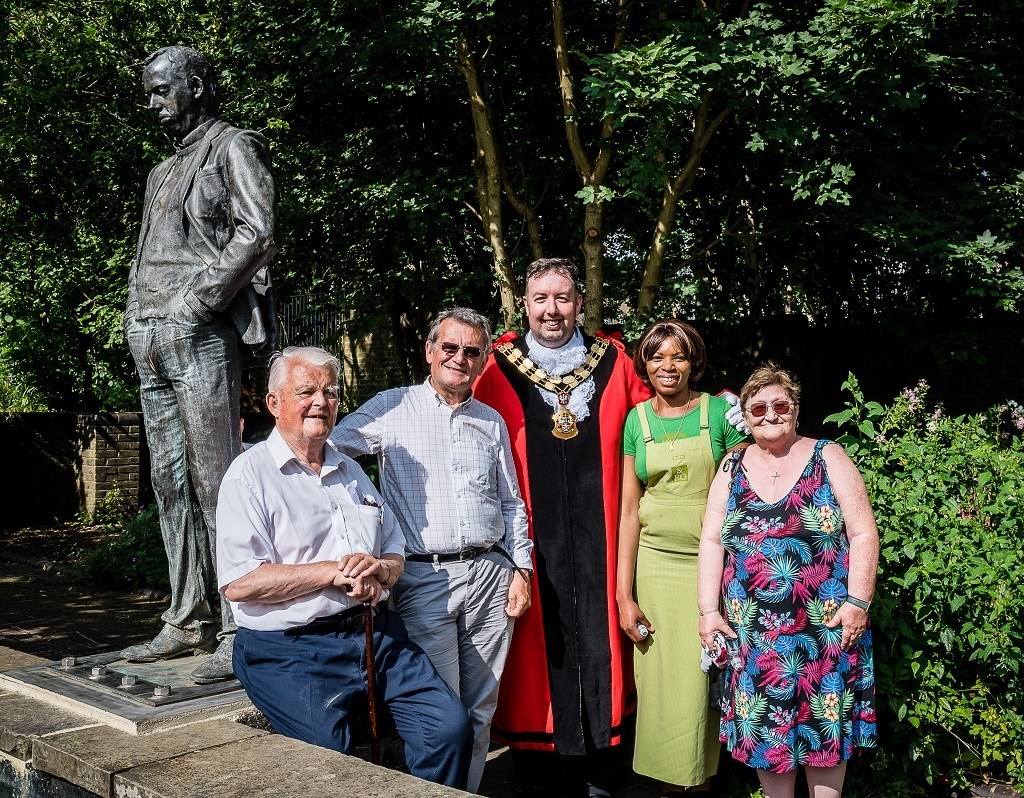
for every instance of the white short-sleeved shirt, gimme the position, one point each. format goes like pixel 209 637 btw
pixel 274 509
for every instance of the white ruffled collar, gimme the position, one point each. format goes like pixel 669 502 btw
pixel 559 361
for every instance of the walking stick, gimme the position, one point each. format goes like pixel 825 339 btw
pixel 371 684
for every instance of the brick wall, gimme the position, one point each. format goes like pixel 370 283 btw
pixel 59 465
pixel 112 459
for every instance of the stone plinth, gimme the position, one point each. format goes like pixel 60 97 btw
pixel 133 709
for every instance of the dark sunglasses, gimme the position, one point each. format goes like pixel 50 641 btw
pixel 451 350
pixel 781 407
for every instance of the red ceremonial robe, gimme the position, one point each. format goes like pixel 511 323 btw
pixel 568 682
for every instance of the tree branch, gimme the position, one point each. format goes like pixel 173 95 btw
pixel 567 90
pixel 674 189
pixel 527 212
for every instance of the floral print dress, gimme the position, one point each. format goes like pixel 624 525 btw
pixel 799 699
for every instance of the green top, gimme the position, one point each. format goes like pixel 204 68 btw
pixel 723 434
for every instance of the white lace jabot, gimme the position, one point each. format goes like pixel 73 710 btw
pixel 561 361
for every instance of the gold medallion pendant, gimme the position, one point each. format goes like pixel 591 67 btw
pixel 565 420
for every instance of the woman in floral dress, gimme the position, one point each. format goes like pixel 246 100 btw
pixel 787 562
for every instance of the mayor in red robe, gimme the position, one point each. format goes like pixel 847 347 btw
pixel 567 685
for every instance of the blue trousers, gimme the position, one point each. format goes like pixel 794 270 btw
pixel 306 685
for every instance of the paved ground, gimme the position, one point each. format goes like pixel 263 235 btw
pixel 47 614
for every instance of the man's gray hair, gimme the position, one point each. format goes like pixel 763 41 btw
pixel 188 63
pixel 314 356
pixel 464 315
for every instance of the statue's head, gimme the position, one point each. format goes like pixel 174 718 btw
pixel 181 87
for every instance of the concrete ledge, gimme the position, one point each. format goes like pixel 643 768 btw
pixel 91 757
pixel 23 720
pixel 50 751
pixel 10 659
pixel 269 767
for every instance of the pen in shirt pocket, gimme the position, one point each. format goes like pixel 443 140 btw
pixel 370 501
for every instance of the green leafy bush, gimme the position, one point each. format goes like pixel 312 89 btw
pixel 949 637
pixel 132 557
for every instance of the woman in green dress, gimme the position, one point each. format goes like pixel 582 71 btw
pixel 672 446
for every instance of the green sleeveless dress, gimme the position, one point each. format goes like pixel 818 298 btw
pixel 676 741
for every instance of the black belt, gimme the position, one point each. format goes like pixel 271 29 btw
pixel 467 553
pixel 350 620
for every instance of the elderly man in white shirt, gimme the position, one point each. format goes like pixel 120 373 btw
pixel 446 469
pixel 304 541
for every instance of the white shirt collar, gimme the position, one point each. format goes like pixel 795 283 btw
pixel 532 344
pixel 283 454
pixel 440 399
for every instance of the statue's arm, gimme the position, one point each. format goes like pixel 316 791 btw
pixel 132 304
pixel 250 197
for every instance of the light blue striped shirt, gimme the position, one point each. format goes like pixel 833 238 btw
pixel 446 472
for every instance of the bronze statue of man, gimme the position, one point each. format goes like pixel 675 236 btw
pixel 199 304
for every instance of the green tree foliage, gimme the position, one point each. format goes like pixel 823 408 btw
pixel 132 557
pixel 70 172
pixel 846 182
pixel 843 159
pixel 949 646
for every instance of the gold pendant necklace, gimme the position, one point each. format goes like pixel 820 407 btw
pixel 664 430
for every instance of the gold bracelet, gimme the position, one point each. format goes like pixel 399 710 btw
pixel 387 579
pixel 707 612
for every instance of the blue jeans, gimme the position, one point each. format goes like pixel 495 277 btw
pixel 191 391
pixel 306 685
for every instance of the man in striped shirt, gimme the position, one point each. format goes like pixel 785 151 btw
pixel 446 470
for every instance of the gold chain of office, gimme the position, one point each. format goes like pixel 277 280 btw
pixel 564 419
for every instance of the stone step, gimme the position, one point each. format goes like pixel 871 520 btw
pixel 51 750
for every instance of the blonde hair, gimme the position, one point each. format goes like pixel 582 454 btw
pixel 770 374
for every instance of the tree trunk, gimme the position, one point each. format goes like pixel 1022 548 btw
pixel 487 164
pixel 591 173
pixel 675 188
pixel 593 253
